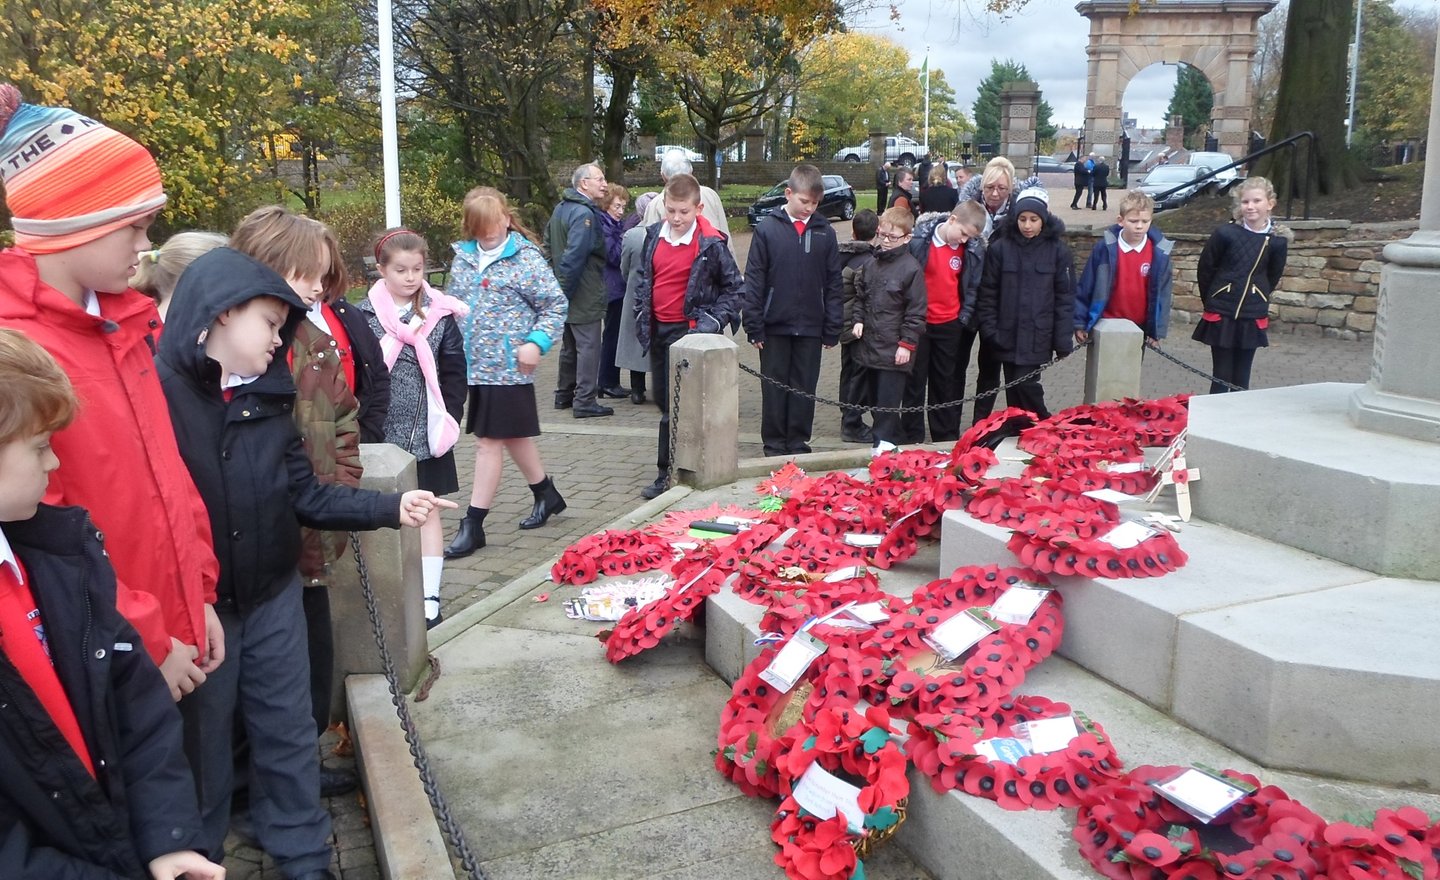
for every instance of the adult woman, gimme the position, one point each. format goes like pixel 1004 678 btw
pixel 995 191
pixel 612 221
pixel 938 194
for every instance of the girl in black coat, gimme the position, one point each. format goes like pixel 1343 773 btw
pixel 1027 296
pixel 1238 270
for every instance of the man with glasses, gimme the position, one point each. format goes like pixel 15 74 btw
pixel 575 240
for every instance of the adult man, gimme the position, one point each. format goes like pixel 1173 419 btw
pixel 672 163
pixel 576 245
pixel 1099 183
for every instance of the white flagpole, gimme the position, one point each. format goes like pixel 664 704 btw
pixel 389 137
pixel 927 99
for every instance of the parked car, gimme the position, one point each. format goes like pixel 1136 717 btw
pixel 662 149
pixel 897 149
pixel 1167 177
pixel 838 201
pixel 1225 180
pixel 1051 165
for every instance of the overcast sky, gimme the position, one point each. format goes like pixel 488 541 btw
pixel 1048 37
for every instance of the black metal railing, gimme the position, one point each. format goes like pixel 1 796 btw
pixel 1291 143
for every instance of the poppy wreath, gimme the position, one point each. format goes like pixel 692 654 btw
pixel 675 525
pixel 1085 473
pixel 640 629
pixel 920 682
pixel 1398 844
pixel 751 741
pixel 1069 554
pixel 612 552
pixel 1127 831
pixel 859 744
pixel 819 599
pixel 943 747
pixel 974 586
pixel 1154 422
pixel 789 575
pixel 1006 502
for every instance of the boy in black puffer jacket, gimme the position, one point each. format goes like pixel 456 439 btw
pixel 887 318
pixel 854 254
pixel 1027 296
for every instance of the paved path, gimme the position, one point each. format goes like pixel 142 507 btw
pixel 600 465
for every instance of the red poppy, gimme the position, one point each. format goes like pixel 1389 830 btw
pixel 1152 849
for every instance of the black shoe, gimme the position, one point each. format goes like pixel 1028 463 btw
pixel 432 622
pixel 468 539
pixel 563 401
pixel 637 397
pixel 334 783
pixel 656 489
pixel 591 411
pixel 614 392
pixel 547 503
pixel 862 436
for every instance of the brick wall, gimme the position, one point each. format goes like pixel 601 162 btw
pixel 1331 282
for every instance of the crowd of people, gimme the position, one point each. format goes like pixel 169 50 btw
pixel 178 465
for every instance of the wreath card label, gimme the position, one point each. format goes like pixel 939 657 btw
pixel 959 634
pixel 792 661
pixel 1202 794
pixel 1019 603
pixel 824 794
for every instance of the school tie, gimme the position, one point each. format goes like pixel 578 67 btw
pixel 800 227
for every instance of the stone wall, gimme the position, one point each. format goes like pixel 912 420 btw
pixel 1330 287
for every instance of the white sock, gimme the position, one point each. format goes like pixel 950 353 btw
pixel 430 568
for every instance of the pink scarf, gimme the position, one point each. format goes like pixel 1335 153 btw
pixel 441 428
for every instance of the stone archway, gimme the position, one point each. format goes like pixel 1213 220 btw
pixel 1216 37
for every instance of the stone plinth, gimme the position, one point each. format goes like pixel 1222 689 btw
pixel 1018 103
pixel 1287 465
pixel 707 433
pixel 1403 394
pixel 1112 361
pixel 393 558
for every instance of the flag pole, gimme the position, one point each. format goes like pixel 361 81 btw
pixel 927 99
pixel 389 140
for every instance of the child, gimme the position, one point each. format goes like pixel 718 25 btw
pixel 792 307
pixel 95 781
pixel 1239 268
pixel 1027 296
pixel 517 311
pixel 689 283
pixel 80 216
pixel 223 366
pixel 853 255
pixel 887 318
pixel 160 268
pixel 418 333
pixel 950 252
pixel 329 363
pixel 1128 274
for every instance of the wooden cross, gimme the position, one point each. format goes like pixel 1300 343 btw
pixel 1163 521
pixel 1179 476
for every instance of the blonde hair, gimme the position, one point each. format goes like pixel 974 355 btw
pixel 997 167
pixel 293 245
pixel 616 193
pixel 1136 200
pixel 900 218
pixel 938 176
pixel 485 208
pixel 970 213
pixel 1260 183
pixel 160 269
pixel 35 394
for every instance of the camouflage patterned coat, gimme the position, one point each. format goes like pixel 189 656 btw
pixel 327 414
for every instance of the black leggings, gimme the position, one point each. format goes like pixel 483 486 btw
pixel 1232 365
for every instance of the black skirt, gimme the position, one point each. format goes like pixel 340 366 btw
pixel 1230 333
pixel 502 412
pixel 438 474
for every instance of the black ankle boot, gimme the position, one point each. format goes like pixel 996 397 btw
pixel 469 538
pixel 547 503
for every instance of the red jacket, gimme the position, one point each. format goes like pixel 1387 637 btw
pixel 118 458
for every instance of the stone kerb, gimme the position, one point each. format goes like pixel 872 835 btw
pixel 707 420
pixel 393 559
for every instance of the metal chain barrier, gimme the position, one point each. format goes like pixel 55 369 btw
pixel 680 367
pixel 1155 347
pixel 438 804
pixel 903 409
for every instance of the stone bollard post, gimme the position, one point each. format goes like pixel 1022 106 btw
pixel 393 559
pixel 707 430
pixel 1112 362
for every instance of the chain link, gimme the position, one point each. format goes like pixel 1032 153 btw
pixel 904 409
pixel 1155 347
pixel 680 367
pixel 438 804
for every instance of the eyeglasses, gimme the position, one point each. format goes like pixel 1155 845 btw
pixel 899 236
pixel 997 188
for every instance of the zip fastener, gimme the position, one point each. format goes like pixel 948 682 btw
pixel 1246 292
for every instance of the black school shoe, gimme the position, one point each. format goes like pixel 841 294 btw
pixel 614 392
pixel 335 782
pixel 637 397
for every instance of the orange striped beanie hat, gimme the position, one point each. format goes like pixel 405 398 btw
pixel 68 179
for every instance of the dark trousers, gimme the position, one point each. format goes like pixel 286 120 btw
pixel 1232 365
pixel 1081 189
pixel 320 634
pixel 579 363
pixel 609 341
pixel 785 418
pixel 1027 395
pixel 852 390
pixel 987 372
pixel 937 371
pixel 662 336
pixel 887 388
pixel 1101 201
pixel 265 680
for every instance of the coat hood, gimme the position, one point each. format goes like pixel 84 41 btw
pixel 217 281
pixel 847 248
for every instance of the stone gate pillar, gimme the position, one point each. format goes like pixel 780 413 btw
pixel 1018 103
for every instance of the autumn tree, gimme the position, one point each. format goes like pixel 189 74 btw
pixel 1193 100
pixel 987 103
pixel 1392 95
pixel 199 82
pixel 1265 68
